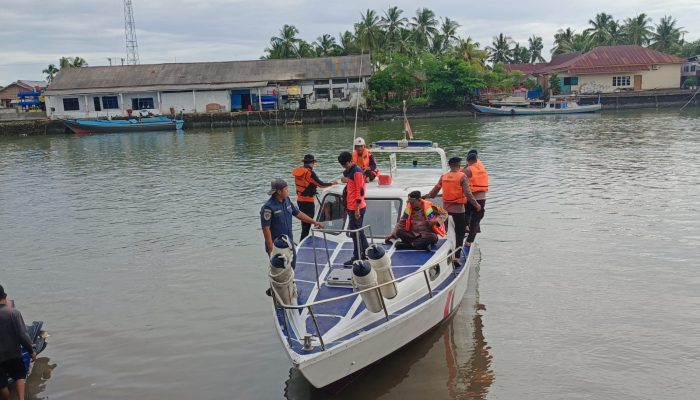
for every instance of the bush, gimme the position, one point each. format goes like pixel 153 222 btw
pixel 418 101
pixel 690 81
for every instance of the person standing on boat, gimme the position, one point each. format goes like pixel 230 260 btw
pixel 306 182
pixel 479 185
pixel 420 225
pixel 13 337
pixel 355 204
pixel 365 160
pixel 455 194
pixel 276 216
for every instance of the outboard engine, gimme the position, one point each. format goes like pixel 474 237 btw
pixel 364 277
pixel 381 264
pixel 282 245
pixel 282 278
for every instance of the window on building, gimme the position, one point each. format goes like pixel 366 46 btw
pixel 692 68
pixel 339 81
pixel 71 104
pixel 353 80
pixel 621 80
pixel 142 103
pixel 110 102
pixel 321 82
pixel 96 101
pixel 686 68
pixel 338 93
pixel 321 94
pixel 571 81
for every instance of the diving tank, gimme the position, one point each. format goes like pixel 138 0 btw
pixel 282 245
pixel 381 264
pixel 364 277
pixel 282 278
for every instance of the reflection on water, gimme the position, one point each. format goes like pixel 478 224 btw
pixel 37 379
pixel 452 356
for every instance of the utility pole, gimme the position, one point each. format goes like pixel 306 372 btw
pixel 132 47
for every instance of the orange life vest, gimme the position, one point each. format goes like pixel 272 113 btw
pixel 363 160
pixel 452 188
pixel 302 180
pixel 430 215
pixel 479 181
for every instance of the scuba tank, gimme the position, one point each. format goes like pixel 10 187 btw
pixel 381 264
pixel 364 277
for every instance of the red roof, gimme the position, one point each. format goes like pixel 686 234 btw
pixel 611 59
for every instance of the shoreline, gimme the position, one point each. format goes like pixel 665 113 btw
pixel 610 101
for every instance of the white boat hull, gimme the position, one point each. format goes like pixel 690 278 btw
pixel 537 111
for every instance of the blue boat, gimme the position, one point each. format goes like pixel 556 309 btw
pixel 540 108
pixel 87 126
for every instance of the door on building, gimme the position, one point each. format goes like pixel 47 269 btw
pixel 240 99
pixel 637 82
pixel 96 101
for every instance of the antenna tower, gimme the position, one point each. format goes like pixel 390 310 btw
pixel 132 47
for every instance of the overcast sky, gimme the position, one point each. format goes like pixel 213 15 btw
pixel 34 33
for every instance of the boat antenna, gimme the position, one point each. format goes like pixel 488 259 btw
pixel 357 102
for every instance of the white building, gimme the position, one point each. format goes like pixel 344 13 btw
pixel 691 68
pixel 313 83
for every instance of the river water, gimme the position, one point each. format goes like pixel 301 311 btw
pixel 143 255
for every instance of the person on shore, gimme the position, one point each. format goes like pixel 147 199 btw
pixel 420 225
pixel 13 338
pixel 355 204
pixel 364 159
pixel 307 182
pixel 276 216
pixel 455 194
pixel 479 185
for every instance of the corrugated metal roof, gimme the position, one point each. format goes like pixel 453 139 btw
pixel 617 59
pixel 184 75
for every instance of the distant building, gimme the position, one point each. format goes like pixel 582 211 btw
pixel 8 94
pixel 314 83
pixel 691 68
pixel 608 69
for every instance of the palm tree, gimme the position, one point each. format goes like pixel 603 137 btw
pixel 348 45
pixel 469 51
pixel 535 48
pixel 305 50
pixel 616 34
pixel 438 44
pixel 405 43
pixel 392 22
pixel 50 72
pixel 562 40
pixel 424 27
pixel 79 62
pixel 286 44
pixel 637 30
pixel 520 55
pixel 600 28
pixel 324 45
pixel 667 38
pixel 500 51
pixel 367 31
pixel 448 29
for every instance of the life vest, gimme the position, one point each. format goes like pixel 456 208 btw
pixel 430 215
pixel 479 181
pixel 305 188
pixel 452 188
pixel 363 160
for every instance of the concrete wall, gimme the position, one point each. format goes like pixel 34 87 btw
pixel 665 77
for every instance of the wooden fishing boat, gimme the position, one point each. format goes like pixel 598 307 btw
pixel 540 108
pixel 87 126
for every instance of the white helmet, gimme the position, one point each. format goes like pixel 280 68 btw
pixel 359 142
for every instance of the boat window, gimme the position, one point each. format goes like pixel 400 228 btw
pixel 332 212
pixel 71 104
pixel 434 272
pixel 110 102
pixel 382 215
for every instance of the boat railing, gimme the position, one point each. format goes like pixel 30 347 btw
pixel 325 233
pixel 377 288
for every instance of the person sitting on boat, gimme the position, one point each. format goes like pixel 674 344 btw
pixel 420 225
pixel 13 338
pixel 479 185
pixel 276 216
pixel 306 182
pixel 355 205
pixel 455 194
pixel 365 160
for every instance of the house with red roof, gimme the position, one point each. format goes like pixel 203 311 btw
pixel 609 69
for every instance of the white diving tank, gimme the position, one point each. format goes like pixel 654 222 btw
pixel 364 277
pixel 381 264
pixel 282 245
pixel 282 278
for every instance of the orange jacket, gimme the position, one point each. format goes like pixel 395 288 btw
pixel 306 183
pixel 452 188
pixel 364 161
pixel 430 215
pixel 479 181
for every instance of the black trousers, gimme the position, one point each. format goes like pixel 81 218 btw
pixel 308 208
pixel 417 241
pixel 460 220
pixel 474 219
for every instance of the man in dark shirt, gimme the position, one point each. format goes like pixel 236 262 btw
pixel 13 335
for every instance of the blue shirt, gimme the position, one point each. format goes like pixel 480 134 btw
pixel 277 215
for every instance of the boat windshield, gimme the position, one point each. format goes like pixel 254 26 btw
pixel 381 214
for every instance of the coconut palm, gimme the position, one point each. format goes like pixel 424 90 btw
pixel 392 22
pixel 324 45
pixel 638 30
pixel 520 54
pixel 424 27
pixel 305 50
pixel 368 32
pixel 500 51
pixel 79 62
pixel 562 40
pixel 667 38
pixel 469 51
pixel 600 28
pixel 405 44
pixel 285 45
pixel 616 34
pixel 535 47
pixel 448 29
pixel 50 72
pixel 347 44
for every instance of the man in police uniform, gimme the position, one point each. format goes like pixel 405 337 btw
pixel 276 216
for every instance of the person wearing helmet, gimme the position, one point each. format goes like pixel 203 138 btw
pixel 364 159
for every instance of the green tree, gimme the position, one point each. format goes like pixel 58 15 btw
pixel 71 62
pixel 468 50
pixel 392 22
pixel 286 45
pixel 368 32
pixel 448 31
pixel 600 28
pixel 424 26
pixel 348 44
pixel 451 81
pixel 691 49
pixel 500 50
pixel 667 37
pixel 325 46
pixel 520 54
pixel 50 72
pixel 637 30
pixel 562 41
pixel 535 49
pixel 555 84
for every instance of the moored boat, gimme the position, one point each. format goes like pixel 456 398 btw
pixel 87 126
pixel 540 108
pixel 332 324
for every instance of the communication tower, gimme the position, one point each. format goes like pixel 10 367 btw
pixel 132 47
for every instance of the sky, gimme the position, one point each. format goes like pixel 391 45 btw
pixel 35 33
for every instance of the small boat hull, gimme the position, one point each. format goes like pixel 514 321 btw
pixel 577 109
pixel 83 127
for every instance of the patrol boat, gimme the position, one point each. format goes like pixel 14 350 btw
pixel 333 321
